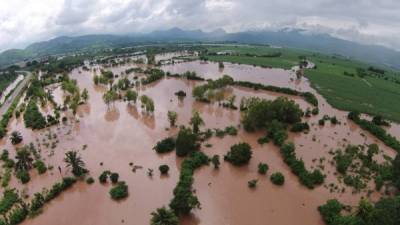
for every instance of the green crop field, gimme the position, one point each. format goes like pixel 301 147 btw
pixel 370 94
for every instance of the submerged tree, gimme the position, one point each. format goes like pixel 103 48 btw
pixel 131 96
pixel 16 137
pixel 24 159
pixel 73 160
pixel 196 121
pixel 172 116
pixel 164 216
pixel 85 95
pixel 109 97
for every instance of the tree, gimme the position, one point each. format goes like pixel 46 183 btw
pixel 16 137
pixel 239 154
pixel 215 161
pixel 109 97
pixel 186 142
pixel 262 168
pixel 164 216
pixel 147 103
pixel 24 159
pixel 131 95
pixel 73 160
pixel 196 121
pixel 120 191
pixel 277 178
pixel 172 116
pixel 85 95
pixel 164 169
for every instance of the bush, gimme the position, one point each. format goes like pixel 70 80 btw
pixel 120 191
pixel 215 161
pixel 262 168
pixel 32 116
pixel 239 154
pixel 300 127
pixel 252 183
pixel 23 176
pixel 164 169
pixel 114 177
pixel 166 145
pixel 103 176
pixel 90 180
pixel 40 166
pixel 277 178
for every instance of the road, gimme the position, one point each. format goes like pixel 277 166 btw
pixel 16 92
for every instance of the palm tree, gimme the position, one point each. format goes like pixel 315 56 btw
pixel 196 121
pixel 74 161
pixel 16 137
pixel 163 216
pixel 24 159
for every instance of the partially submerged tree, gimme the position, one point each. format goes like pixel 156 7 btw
pixel 16 137
pixel 164 216
pixel 73 160
pixel 196 121
pixel 172 116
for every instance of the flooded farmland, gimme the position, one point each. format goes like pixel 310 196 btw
pixel 118 136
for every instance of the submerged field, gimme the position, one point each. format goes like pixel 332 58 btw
pixel 120 137
pixel 335 77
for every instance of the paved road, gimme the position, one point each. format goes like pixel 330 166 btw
pixel 15 93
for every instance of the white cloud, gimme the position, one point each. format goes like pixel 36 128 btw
pixel 26 21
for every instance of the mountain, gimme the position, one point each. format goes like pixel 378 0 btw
pixel 302 39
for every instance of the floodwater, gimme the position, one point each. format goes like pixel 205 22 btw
pixel 122 134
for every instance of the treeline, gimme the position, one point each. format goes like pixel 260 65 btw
pixel 14 210
pixel 307 178
pixel 152 76
pixel 376 130
pixel 308 96
pixel 386 211
pixel 184 199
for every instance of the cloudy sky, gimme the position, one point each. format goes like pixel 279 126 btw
pixel 368 21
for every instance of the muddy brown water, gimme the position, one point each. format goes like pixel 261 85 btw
pixel 123 134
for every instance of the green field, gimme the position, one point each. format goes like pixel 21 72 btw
pixel 372 95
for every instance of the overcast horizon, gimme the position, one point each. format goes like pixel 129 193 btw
pixel 23 22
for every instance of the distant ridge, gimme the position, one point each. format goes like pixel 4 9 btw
pixel 291 38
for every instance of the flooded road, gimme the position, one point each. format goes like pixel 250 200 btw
pixel 113 138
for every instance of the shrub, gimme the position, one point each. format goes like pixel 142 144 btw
pixel 103 176
pixel 90 180
pixel 277 178
pixel 300 127
pixel 23 176
pixel 163 216
pixel 215 161
pixel 252 183
pixel 164 169
pixel 239 154
pixel 114 177
pixel 40 166
pixel 262 168
pixel 120 191
pixel 166 145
